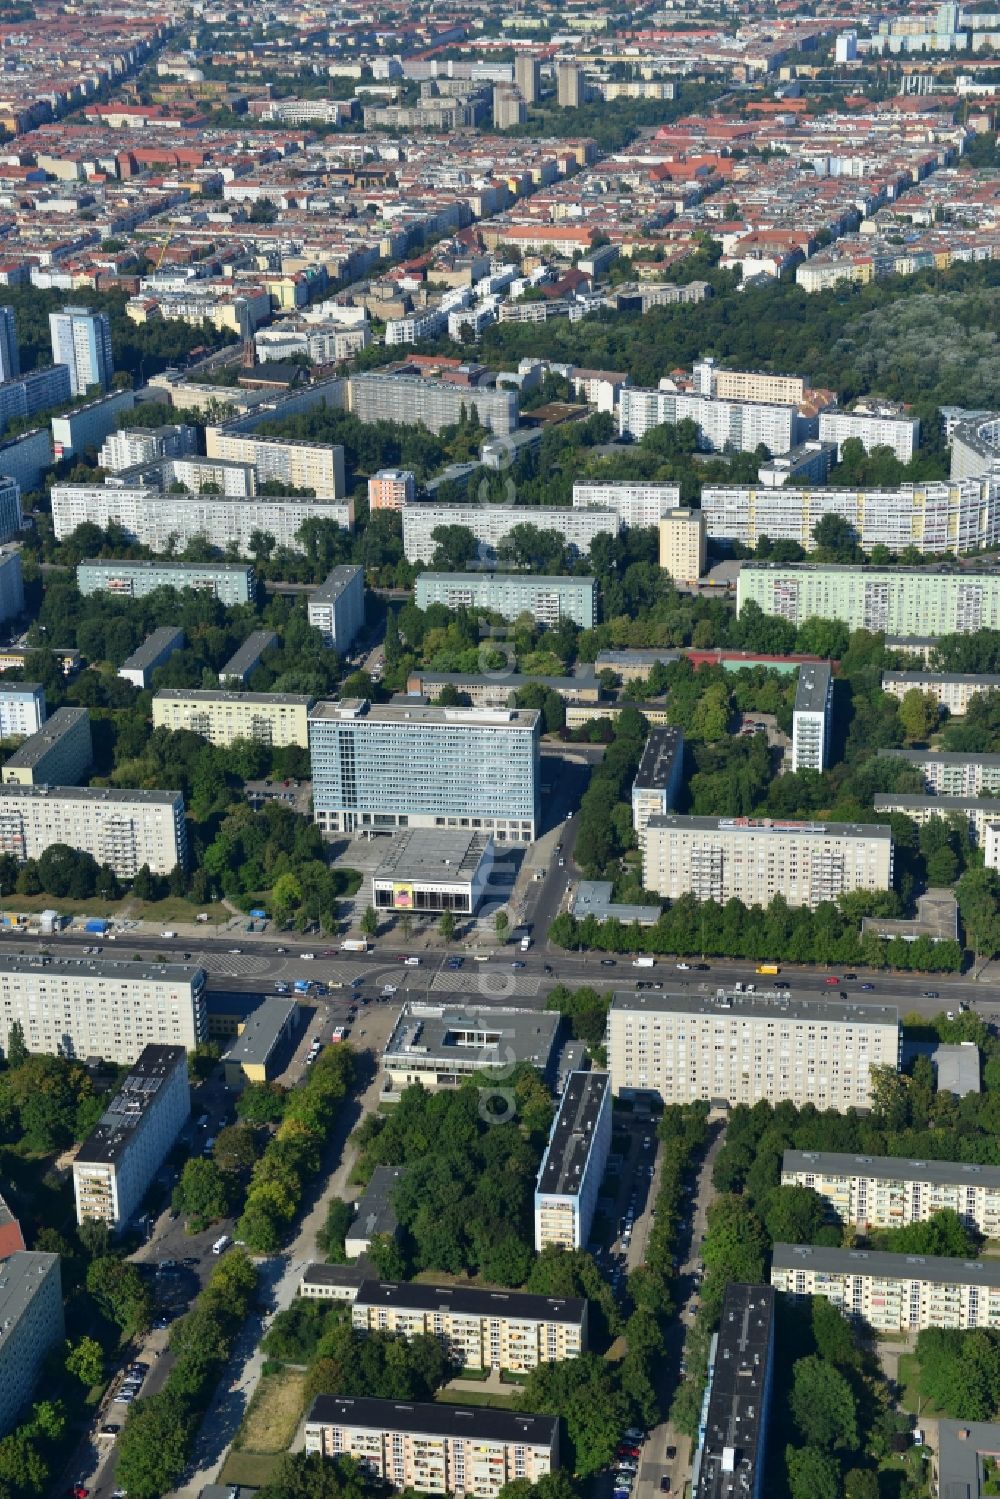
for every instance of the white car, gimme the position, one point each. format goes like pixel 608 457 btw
pixel 684 967
pixel 307 957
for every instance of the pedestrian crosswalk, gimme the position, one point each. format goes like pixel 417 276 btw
pixel 491 982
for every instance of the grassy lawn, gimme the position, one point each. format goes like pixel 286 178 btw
pixel 909 1381
pixel 272 1419
pixel 474 1397
pixel 173 908
pixel 252 1469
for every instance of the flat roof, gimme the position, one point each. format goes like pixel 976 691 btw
pixel 644 656
pixel 167 637
pixel 778 1006
pixel 772 827
pixel 262 1030
pixel 341 709
pixel 520 580
pixel 220 695
pixel 117 970
pixel 375 1212
pixel 940 757
pixel 572 1134
pixel 962 1445
pixel 960 678
pixel 354 1273
pixel 112 794
pixel 439 1036
pixel 892 1168
pixel 115 1130
pixel 63 721
pixel 249 653
pixel 728 1462
pixel 813 688
pixel 585 681
pixel 657 764
pixel 334 584
pixel 21 1274
pixel 593 898
pixel 886 1266
pixel 434 854
pixel 143 565
pixel 479 1424
pixel 473 1301
pixel 887 800
pixel 942 570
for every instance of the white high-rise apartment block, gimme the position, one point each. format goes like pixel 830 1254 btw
pixel 81 340
pixel 874 428
pixel 490 524
pixel 638 504
pixel 337 607
pixel 743 858
pixel 952 690
pixel 22 710
pixel 890 1192
pixel 91 1007
pixel 569 1178
pixel 118 1160
pixel 892 1292
pixel 31 1327
pixel 10 362
pixel 745 1047
pixel 812 717
pixel 740 425
pixel 898 601
pixel 161 521
pixel 318 466
pixel 124 829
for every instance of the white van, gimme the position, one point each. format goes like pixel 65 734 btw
pixel 221 1243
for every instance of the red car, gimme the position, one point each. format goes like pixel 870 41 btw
pixel 831 978
pixel 79 1492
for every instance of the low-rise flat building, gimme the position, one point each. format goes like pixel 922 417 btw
pixel 877 1192
pixel 101 1007
pixel 59 754
pixel 275 718
pixel 376 1212
pixel 479 1328
pixel 244 662
pixel 892 1292
pixel 548 600
pixel 442 1046
pixel 753 860
pixel 952 690
pixel 812 717
pixel 438 1449
pixel 31 1327
pixel 115 1165
pixel 229 582
pixel 569 1178
pixel 658 779
pixel 263 1042
pixel 683 544
pixel 22 709
pixel 499 690
pixel 322 1282
pixel 434 870
pixel 744 1047
pixel 729 1462
pixel 123 829
pixel 155 651
pixel 337 607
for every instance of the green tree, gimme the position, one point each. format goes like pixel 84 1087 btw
pixel 960 1371
pixel 811 1474
pixel 919 714
pixel 202 1194
pixel 121 1293
pixel 446 925
pixel 369 922
pixel 153 1447
pixel 235 1148
pixel 330 1238
pixel 501 925
pixel 17 1048
pixel 583 1391
pixel 85 1361
pixel 823 1405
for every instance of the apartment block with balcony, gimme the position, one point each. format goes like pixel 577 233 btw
pixel 318 466
pixel 22 709
pixel 951 774
pixel 638 504
pixel 436 1449
pixel 479 1328
pixel 120 1157
pixel 275 718
pixel 31 1327
pixel 876 1192
pixel 229 582
pixel 337 607
pixel 124 829
pixel 812 717
pixel 59 754
pixel 548 599
pixel 745 1047
pixel 898 601
pixel 892 1292
pixel 952 690
pixel 658 779
pixel 569 1178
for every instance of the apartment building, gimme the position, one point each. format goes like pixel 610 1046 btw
pixel 155 651
pixel 247 658
pixel 947 774
pixel 410 399
pixel 116 1164
pixel 441 1046
pixel 318 466
pixel 571 88
pixel 873 428
pixel 81 340
pixel 31 1327
pixel 337 607
pixel 10 505
pixel 729 1461
pixel 10 363
pixel 939 515
pixel 812 717
pixel 549 600
pixel 132 446
pixel 87 425
pixel 59 754
pixel 739 426
pixel 22 709
pixel 753 860
pixel 498 689
pixel 38 391
pixel 11 584
pixel 391 489
pixel 528 76
pixel 572 1168
pixel 490 524
pixel 897 601
pixel 745 1047
pixel 683 544
pixel 230 582
pixel 479 1329
pixel 381 766
pixel 25 459
pixel 978 812
pixel 164 521
pixel 658 779
pixel 953 690
pixel 747 385
pixel 892 1292
pixel 275 718
pixel 638 504
pixel 89 1007
pixel 123 829
pixel 877 1192
pixel 436 1449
